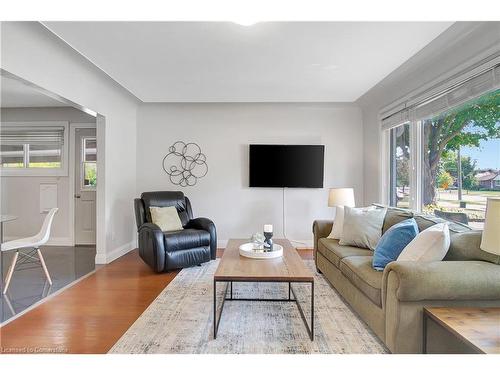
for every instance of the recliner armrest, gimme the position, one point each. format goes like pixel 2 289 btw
pixel 446 280
pixel 206 224
pixel 152 246
pixel 150 226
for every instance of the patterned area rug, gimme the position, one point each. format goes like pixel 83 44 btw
pixel 180 320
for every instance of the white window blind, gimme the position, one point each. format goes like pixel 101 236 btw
pixel 19 135
pixel 428 105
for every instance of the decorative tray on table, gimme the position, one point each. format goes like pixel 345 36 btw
pixel 255 251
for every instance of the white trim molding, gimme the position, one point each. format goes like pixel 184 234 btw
pixel 114 254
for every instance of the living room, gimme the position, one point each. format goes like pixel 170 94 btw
pixel 255 191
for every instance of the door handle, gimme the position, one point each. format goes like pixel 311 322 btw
pixel 77 195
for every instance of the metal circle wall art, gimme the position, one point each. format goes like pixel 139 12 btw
pixel 185 163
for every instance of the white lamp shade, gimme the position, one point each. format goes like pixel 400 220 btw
pixel 341 197
pixel 490 240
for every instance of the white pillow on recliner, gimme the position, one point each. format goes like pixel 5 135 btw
pixel 167 218
pixel 430 245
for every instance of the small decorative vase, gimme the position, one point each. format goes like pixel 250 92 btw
pixel 268 242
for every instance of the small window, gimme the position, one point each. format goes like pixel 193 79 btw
pixel 89 163
pixel 37 149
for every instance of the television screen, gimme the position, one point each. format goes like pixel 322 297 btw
pixel 298 166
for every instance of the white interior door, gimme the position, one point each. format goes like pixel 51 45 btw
pixel 85 186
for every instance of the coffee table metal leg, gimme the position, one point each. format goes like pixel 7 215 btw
pixel 224 298
pixel 310 329
pixel 215 309
pixel 312 310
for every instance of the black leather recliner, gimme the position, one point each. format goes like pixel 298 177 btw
pixel 165 251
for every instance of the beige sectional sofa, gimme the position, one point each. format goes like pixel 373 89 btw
pixel 391 302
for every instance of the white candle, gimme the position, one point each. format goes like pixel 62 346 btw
pixel 268 228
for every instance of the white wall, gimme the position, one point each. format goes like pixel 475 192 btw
pixel 20 195
pixel 462 45
pixel 223 132
pixel 30 51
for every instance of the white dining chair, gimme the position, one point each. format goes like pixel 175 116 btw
pixel 26 249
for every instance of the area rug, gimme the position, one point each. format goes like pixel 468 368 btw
pixel 180 320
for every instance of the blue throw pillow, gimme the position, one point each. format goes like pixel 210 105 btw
pixel 392 243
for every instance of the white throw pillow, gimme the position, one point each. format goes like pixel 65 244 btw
pixel 362 226
pixel 167 218
pixel 338 223
pixel 430 245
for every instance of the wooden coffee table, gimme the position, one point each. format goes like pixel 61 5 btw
pixel 287 269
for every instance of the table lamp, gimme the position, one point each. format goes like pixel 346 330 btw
pixel 490 240
pixel 341 197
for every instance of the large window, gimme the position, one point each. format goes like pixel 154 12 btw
pixel 461 159
pixel 33 149
pixel 458 151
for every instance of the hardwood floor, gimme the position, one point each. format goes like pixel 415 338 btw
pixel 92 315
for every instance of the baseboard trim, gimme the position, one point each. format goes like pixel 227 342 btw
pixel 106 258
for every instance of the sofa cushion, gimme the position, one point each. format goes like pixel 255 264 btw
pixel 358 270
pixel 186 239
pixel 466 246
pixel 427 221
pixel 334 252
pixel 394 216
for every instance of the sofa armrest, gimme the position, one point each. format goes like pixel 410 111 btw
pixel 321 229
pixel 447 280
pixel 152 246
pixel 208 225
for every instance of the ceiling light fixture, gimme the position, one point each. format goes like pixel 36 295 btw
pixel 246 22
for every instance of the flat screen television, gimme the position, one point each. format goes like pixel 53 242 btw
pixel 293 166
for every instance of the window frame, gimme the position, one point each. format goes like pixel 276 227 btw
pixel 40 172
pixel 416 127
pixel 82 164
pixel 415 175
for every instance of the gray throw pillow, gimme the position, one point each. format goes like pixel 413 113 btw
pixel 362 226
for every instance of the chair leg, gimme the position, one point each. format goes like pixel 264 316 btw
pixel 44 266
pixel 10 272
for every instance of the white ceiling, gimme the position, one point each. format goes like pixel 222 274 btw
pixel 266 62
pixel 15 94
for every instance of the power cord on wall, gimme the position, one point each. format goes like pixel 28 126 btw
pixel 284 223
